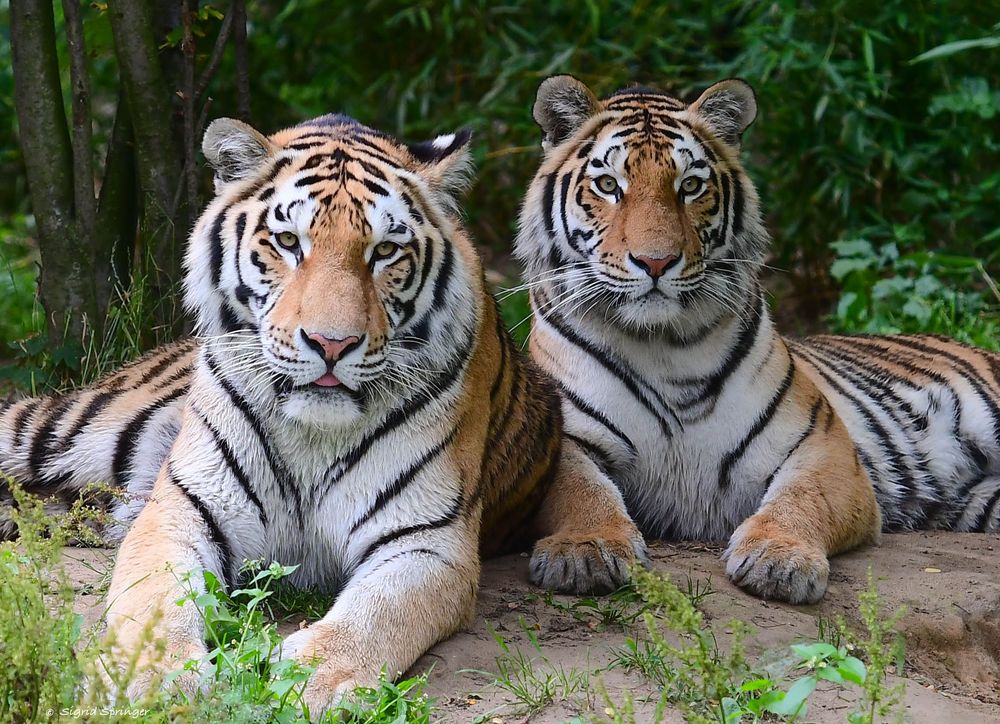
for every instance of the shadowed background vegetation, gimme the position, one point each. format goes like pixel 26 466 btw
pixel 876 149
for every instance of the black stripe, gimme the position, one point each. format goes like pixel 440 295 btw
pixel 21 419
pixel 548 202
pixel 810 428
pixel 437 389
pixel 737 206
pixel 624 375
pixel 161 365
pixel 601 458
pixel 410 552
pixel 987 513
pixel 425 270
pixel 725 469
pixel 277 470
pixel 377 189
pixel 740 351
pixel 97 403
pixel 234 465
pixel 402 481
pixel 443 277
pixel 215 533
pixel 128 437
pixel 445 520
pixel 595 414
pixel 503 340
pixel 45 437
pixel 215 246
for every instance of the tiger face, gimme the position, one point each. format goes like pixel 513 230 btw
pixel 641 212
pixel 318 264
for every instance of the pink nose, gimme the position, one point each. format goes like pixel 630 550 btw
pixel 331 349
pixel 655 266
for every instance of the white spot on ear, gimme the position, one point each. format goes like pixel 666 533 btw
pixel 444 142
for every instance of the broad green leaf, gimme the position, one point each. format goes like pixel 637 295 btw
pixel 853 669
pixel 795 697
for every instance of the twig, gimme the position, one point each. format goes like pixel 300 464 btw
pixel 216 57
pixel 188 50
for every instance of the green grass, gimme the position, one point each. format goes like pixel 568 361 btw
pixel 533 679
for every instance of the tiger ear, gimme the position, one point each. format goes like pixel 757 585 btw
pixel 234 149
pixel 446 163
pixel 562 105
pixel 728 107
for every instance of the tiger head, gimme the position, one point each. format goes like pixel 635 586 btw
pixel 641 213
pixel 330 274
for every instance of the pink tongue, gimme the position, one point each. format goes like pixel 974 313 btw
pixel 327 380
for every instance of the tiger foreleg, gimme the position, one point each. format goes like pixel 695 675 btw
pixel 159 561
pixel 403 601
pixel 589 540
pixel 819 503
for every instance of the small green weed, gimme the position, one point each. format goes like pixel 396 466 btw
pixel 681 655
pixel 402 703
pixel 619 609
pixel 535 681
pixel 882 646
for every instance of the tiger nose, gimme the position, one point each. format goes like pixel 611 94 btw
pixel 330 348
pixel 656 267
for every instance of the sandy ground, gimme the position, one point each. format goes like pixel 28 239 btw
pixel 950 584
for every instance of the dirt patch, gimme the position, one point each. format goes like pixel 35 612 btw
pixel 950 584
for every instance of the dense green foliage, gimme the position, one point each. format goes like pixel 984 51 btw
pixel 876 149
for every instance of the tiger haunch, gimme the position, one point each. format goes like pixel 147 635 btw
pixel 643 242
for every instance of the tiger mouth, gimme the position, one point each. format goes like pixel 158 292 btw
pixel 326 385
pixel 327 379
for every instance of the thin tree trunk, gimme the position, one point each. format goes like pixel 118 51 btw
pixel 83 161
pixel 239 11
pixel 114 240
pixel 159 161
pixel 188 48
pixel 66 284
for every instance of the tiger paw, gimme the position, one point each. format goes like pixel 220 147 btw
pixel 331 680
pixel 585 563
pixel 775 566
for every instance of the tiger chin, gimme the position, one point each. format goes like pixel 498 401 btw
pixel 352 405
pixel 642 238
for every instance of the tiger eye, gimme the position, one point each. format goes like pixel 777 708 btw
pixel 385 249
pixel 607 184
pixel 690 184
pixel 287 239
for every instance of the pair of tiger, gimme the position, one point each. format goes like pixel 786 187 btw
pixel 354 405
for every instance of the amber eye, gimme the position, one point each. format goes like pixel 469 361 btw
pixel 691 185
pixel 384 250
pixel 287 240
pixel 607 184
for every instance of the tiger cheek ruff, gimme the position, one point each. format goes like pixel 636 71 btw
pixel 642 239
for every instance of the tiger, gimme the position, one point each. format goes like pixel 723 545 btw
pixel 352 404
pixel 643 242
